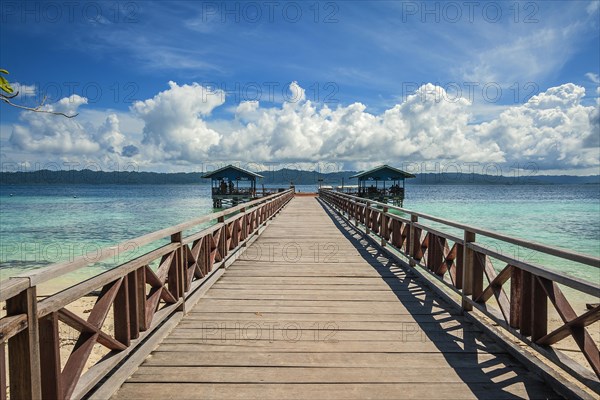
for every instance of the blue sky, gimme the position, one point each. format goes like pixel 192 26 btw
pixel 355 65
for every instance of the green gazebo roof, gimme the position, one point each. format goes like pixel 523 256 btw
pixel 383 173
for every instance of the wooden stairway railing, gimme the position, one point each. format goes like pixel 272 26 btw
pixel 140 297
pixel 511 292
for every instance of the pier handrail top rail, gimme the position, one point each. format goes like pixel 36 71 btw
pixel 20 282
pixel 563 253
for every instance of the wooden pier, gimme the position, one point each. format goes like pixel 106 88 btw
pixel 309 307
pixel 306 297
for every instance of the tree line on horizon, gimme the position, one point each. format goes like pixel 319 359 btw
pixel 280 177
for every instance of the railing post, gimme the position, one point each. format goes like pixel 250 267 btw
pixel 176 277
pixel 468 263
pixel 132 289
pixel 244 226
pixel 539 310
pixel 141 296
pixel 367 217
pixel 2 371
pixel 516 293
pixel 223 239
pixel 525 300
pixel 411 239
pixel 383 226
pixel 24 348
pixel 50 357
pixel 122 320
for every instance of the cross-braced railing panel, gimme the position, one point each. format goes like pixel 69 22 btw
pixel 517 295
pixel 141 293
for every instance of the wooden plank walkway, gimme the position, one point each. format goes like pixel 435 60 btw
pixel 312 311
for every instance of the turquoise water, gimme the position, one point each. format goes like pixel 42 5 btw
pixel 45 224
pixel 566 216
pixel 40 225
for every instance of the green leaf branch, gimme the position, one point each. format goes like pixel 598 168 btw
pixel 7 93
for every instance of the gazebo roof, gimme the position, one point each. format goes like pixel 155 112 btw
pixel 383 173
pixel 231 172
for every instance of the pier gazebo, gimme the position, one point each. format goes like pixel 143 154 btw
pixel 384 184
pixel 232 185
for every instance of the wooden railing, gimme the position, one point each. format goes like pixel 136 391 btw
pixel 514 296
pixel 140 297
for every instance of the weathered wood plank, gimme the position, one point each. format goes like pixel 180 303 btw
pixel 189 374
pixel 313 280
pixel 359 308
pixel 241 286
pixel 389 295
pixel 416 346
pixel 11 325
pixel 330 324
pixel 424 390
pixel 330 360
pixel 339 318
pixel 404 340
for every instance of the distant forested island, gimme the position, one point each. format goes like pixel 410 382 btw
pixel 278 177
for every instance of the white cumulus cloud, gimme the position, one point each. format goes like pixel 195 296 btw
pixel 109 135
pixel 173 122
pixel 554 130
pixel 46 133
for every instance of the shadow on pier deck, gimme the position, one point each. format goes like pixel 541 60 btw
pixel 314 310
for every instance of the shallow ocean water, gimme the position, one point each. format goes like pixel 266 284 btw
pixel 42 224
